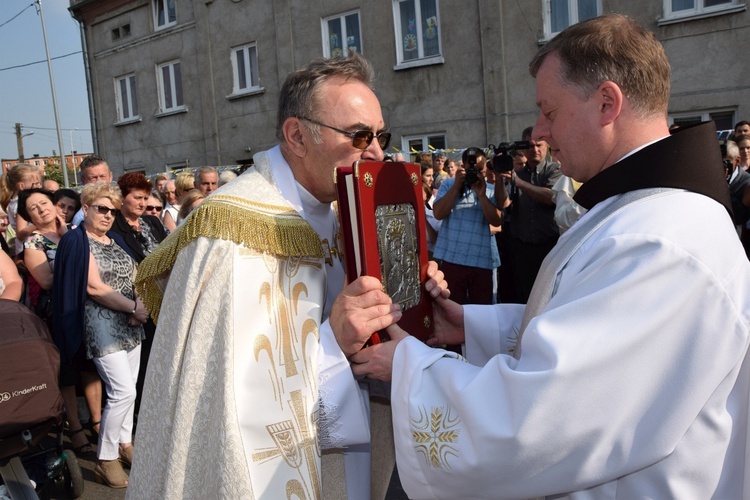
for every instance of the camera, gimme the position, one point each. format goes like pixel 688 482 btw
pixel 503 159
pixel 470 162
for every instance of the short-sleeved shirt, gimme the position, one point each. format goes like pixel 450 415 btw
pixel 464 236
pixel 108 331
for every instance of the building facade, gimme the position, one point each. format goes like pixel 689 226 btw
pixel 183 83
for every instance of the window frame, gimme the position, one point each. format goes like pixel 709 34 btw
pixel 425 138
pixel 342 19
pixel 573 16
pixel 421 60
pixel 131 90
pixel 700 11
pixel 177 108
pixel 704 115
pixel 249 71
pixel 156 11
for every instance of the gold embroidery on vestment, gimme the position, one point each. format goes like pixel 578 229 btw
pixel 434 435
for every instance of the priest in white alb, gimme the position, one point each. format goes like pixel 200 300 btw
pixel 626 376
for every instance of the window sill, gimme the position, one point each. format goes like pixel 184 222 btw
pixel 175 111
pixel 692 16
pixel 246 93
pixel 129 121
pixel 428 61
pixel 164 27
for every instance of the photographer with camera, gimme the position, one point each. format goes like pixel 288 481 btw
pixel 532 226
pixel 467 205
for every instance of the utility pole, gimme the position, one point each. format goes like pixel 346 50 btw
pixel 54 99
pixel 19 141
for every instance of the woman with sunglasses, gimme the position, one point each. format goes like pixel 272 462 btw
pixel 93 292
pixel 155 204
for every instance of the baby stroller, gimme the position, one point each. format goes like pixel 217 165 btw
pixel 31 408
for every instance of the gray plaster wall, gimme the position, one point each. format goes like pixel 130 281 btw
pixel 480 93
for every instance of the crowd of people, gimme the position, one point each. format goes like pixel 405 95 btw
pixel 588 341
pixel 72 258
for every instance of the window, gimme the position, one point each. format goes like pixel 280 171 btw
pixel 341 35
pixel 245 67
pixel 559 14
pixel 116 34
pixel 420 143
pixel 417 32
pixel 164 13
pixel 689 8
pixel 170 87
pixel 724 119
pixel 127 100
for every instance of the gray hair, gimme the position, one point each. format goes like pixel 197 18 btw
pixel 203 170
pixel 300 93
pixel 733 150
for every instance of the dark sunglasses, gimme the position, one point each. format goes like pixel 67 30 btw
pixel 361 139
pixel 151 207
pixel 101 209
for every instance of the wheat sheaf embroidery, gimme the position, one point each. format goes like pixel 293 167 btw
pixel 435 433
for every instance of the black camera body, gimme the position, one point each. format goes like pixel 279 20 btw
pixel 470 162
pixel 503 160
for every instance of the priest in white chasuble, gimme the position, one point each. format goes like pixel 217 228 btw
pixel 626 375
pixel 249 380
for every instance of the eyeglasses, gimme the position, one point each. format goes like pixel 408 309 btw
pixel 361 139
pixel 101 209
pixel 151 207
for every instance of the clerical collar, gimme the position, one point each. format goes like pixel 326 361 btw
pixel 690 159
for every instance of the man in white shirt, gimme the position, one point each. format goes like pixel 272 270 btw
pixel 626 375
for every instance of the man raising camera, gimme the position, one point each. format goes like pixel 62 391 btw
pixel 532 226
pixel 468 205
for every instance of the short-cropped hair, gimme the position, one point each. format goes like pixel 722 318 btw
pixel 612 48
pixel 134 182
pixel 300 94
pixel 101 189
pixel 68 193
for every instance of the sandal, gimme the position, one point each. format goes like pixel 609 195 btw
pixel 80 442
pixel 111 473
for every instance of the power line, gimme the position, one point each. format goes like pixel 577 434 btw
pixel 39 62
pixel 9 20
pixel 52 128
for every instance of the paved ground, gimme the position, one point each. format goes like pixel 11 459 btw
pixel 92 490
pixel 96 491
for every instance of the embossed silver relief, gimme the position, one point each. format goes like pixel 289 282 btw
pixel 399 257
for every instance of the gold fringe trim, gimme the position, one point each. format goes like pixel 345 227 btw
pixel 265 228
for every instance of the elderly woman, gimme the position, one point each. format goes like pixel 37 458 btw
pixel 95 275
pixel 155 204
pixel 141 232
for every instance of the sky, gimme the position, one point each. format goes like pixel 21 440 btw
pixel 25 93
